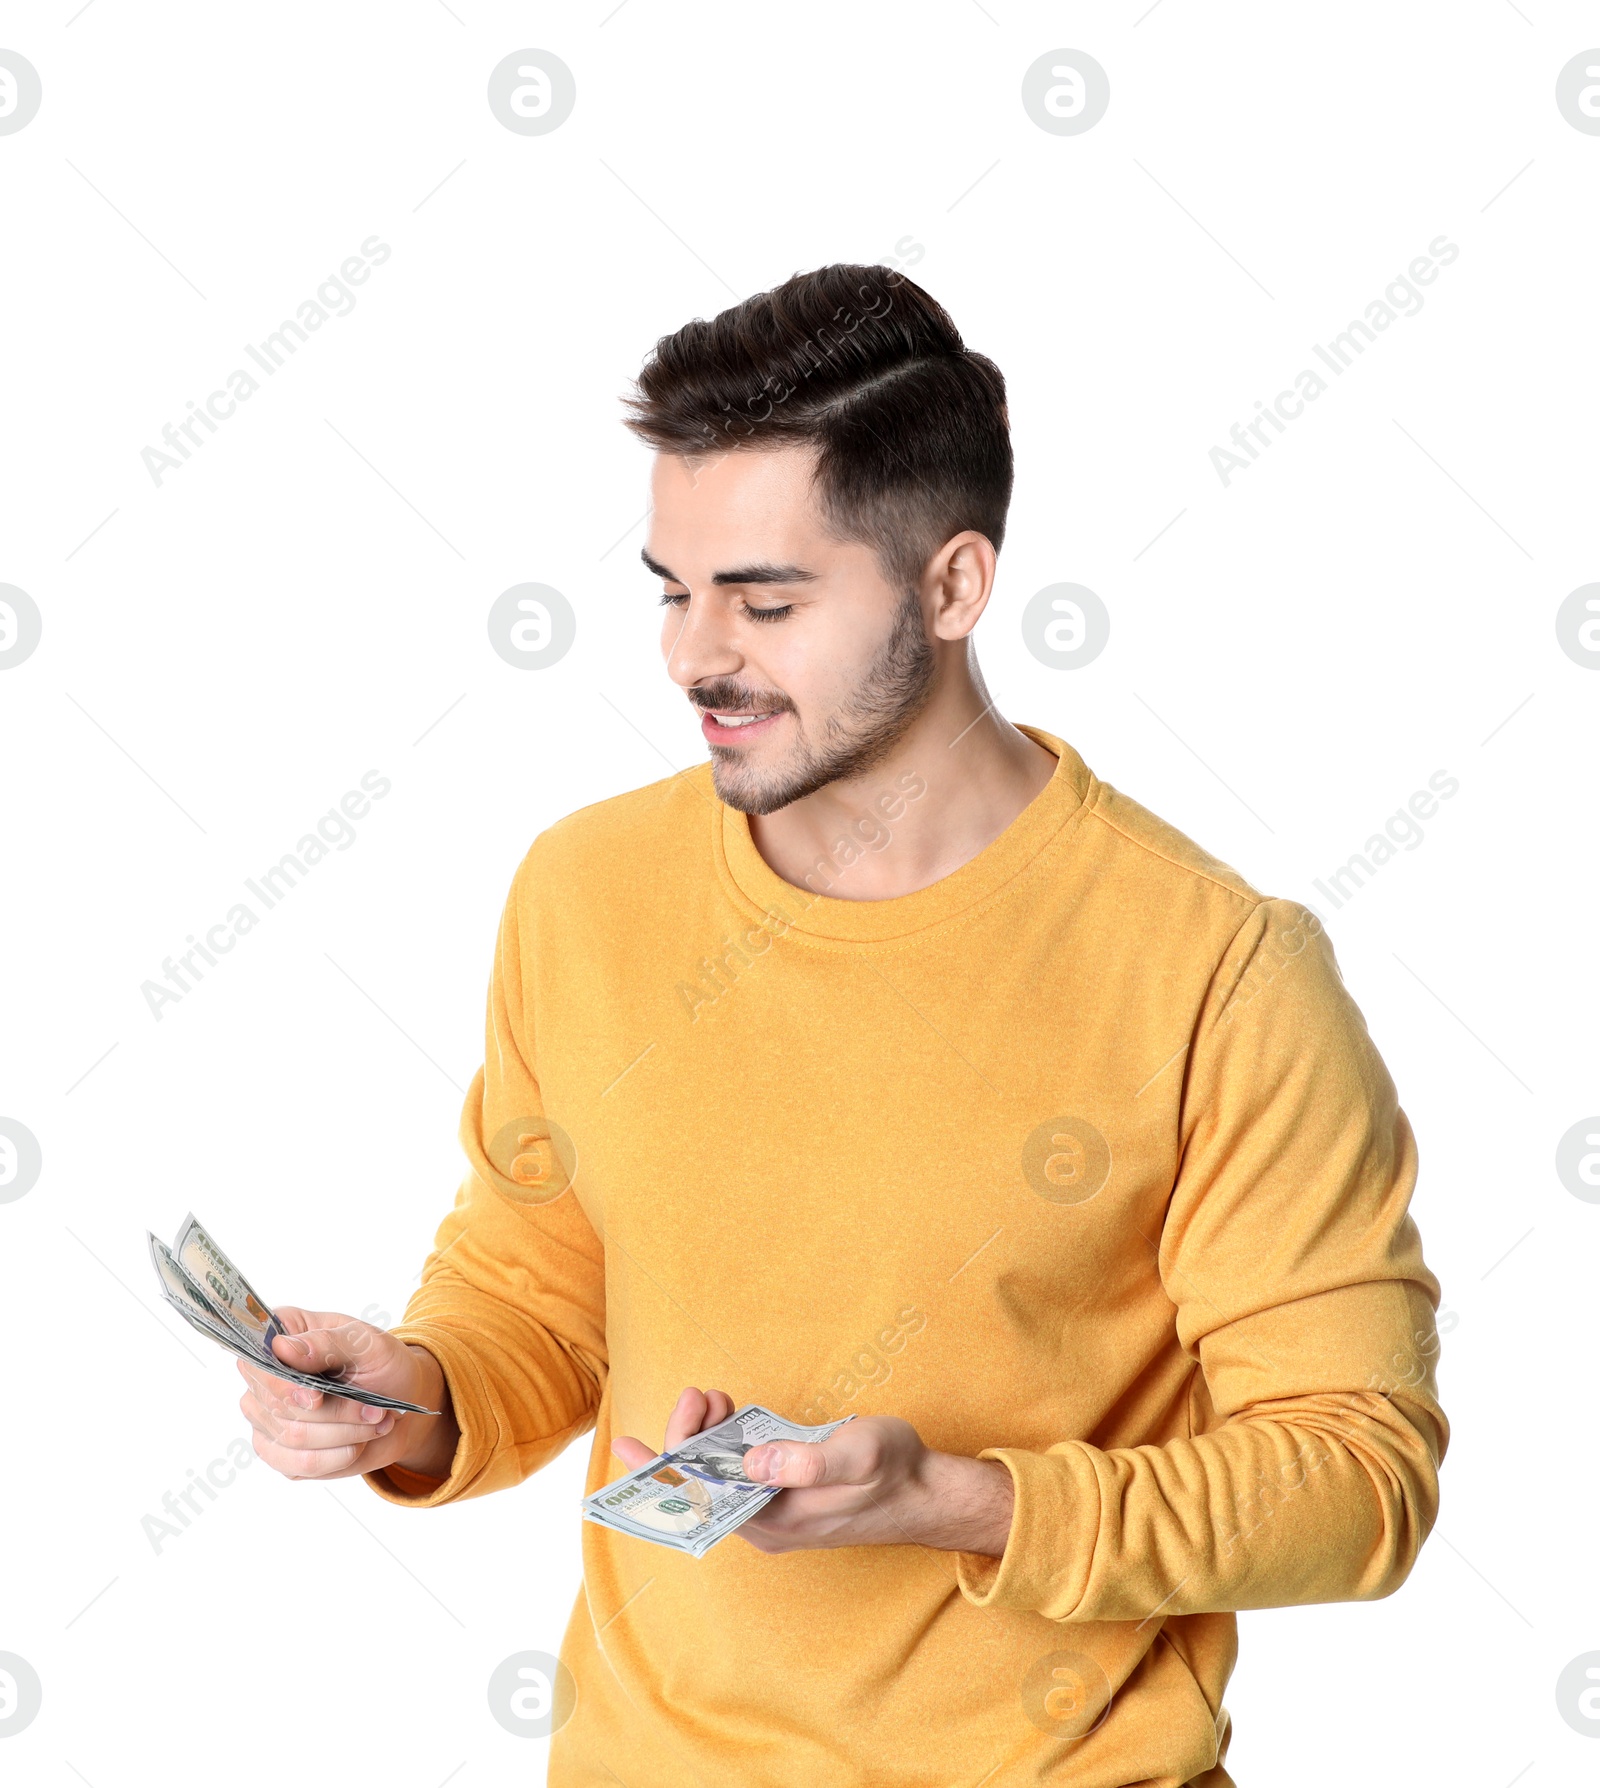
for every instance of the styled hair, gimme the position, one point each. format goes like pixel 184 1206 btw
pixel 909 425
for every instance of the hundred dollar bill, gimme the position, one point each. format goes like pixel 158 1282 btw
pixel 226 1288
pixel 194 1303
pixel 697 1494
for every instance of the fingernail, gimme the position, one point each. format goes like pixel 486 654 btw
pixel 371 1413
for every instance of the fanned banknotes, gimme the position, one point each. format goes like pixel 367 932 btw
pixel 697 1494
pixel 210 1293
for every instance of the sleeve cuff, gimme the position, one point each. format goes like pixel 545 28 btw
pixel 1055 1523
pixel 470 1402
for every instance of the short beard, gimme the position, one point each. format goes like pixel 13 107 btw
pixel 861 735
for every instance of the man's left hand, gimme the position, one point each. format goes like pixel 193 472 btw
pixel 873 1483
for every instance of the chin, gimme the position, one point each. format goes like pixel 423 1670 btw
pixel 750 791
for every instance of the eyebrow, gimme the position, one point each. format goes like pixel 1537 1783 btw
pixel 741 574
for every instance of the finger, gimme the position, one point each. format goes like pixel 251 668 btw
pixel 688 1417
pixel 791 1464
pixel 271 1388
pixel 334 1462
pixel 312 1431
pixel 719 1406
pixel 301 1399
pixel 633 1453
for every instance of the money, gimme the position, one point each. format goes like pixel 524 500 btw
pixel 210 1293
pixel 226 1287
pixel 697 1494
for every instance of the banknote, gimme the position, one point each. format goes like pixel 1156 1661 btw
pixel 224 1285
pixel 246 1336
pixel 698 1493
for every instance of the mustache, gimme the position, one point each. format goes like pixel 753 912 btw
pixel 734 698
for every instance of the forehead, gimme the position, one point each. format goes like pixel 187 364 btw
pixel 711 504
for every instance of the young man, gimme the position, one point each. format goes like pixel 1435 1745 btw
pixel 895 1064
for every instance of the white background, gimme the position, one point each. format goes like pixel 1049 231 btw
pixel 225 654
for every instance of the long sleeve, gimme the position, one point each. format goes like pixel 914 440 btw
pixel 512 1299
pixel 1310 1470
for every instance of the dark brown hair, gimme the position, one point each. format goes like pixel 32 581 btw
pixel 910 426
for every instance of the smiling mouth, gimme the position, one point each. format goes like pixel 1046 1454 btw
pixel 722 725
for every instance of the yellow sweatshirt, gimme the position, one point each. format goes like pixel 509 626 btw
pixel 1081 1159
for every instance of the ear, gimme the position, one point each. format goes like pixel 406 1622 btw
pixel 958 581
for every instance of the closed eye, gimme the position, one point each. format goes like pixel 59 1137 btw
pixel 673 598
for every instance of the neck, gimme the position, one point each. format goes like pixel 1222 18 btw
pixel 951 784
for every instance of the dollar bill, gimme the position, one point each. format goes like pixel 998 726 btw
pixel 195 1303
pixel 698 1493
pixel 225 1286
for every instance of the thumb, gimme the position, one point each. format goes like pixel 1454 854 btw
pixel 331 1343
pixel 791 1464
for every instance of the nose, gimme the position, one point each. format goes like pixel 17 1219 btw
pixel 697 644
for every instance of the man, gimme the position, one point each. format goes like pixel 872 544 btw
pixel 897 1065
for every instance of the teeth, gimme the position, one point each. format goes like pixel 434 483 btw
pixel 736 719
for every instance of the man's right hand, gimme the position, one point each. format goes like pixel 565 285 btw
pixel 319 1434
